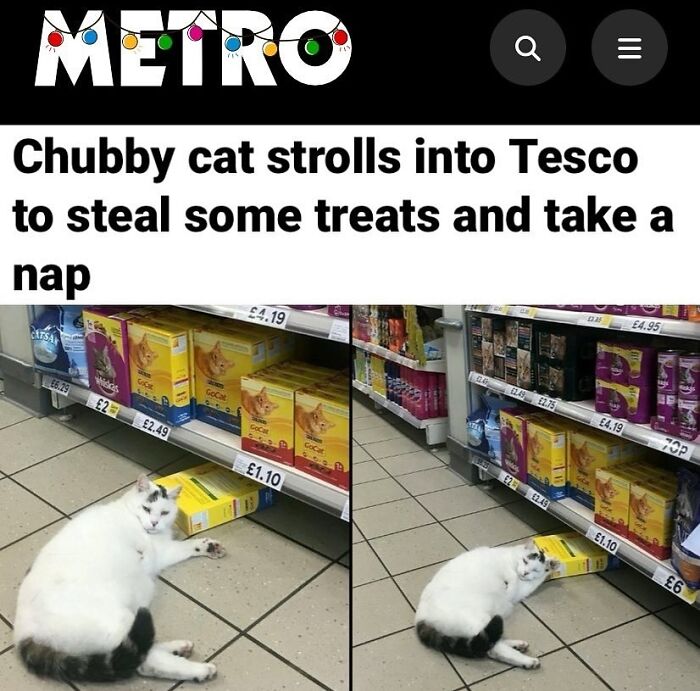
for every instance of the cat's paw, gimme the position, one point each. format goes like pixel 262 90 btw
pixel 205 672
pixel 532 663
pixel 522 646
pixel 183 648
pixel 213 549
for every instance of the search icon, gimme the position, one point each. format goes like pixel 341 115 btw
pixel 532 53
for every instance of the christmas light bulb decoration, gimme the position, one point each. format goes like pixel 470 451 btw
pixel 340 37
pixel 165 42
pixel 312 47
pixel 270 49
pixel 90 37
pixel 232 43
pixel 130 41
pixel 55 39
pixel 195 33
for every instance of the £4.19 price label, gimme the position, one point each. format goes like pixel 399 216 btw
pixel 607 541
pixel 673 447
pixel 60 386
pixel 264 314
pixel 537 499
pixel 259 471
pixel 151 426
pixel 608 424
pixel 103 405
pixel 674 584
pixel 508 480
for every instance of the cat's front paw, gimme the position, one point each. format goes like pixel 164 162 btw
pixel 532 663
pixel 204 672
pixel 213 549
pixel 522 646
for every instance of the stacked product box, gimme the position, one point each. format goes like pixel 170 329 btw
pixel 576 554
pixel 678 393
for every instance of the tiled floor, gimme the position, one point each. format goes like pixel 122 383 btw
pixel 273 614
pixel 411 513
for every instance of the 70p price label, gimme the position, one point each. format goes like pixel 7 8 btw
pixel 674 584
pixel 103 405
pixel 264 314
pixel 259 471
pixel 608 424
pixel 673 447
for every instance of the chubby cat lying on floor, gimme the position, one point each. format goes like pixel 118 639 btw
pixel 462 608
pixel 82 609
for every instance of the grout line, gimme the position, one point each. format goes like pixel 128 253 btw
pixel 34 532
pixel 9 647
pixel 508 668
pixel 590 669
pixel 19 422
pixel 49 458
pixel 678 631
pixel 6 621
pixel 610 628
pixel 383 636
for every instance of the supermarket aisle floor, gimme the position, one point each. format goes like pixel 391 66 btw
pixel 273 614
pixel 411 513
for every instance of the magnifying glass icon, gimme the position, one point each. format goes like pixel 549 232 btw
pixel 532 52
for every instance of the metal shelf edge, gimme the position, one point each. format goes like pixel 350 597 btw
pixel 437 366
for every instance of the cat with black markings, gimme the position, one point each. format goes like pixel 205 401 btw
pixel 461 610
pixel 82 608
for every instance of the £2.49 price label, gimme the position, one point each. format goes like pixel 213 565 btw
pixel 537 499
pixel 674 584
pixel 607 541
pixel 60 386
pixel 480 379
pixel 259 471
pixel 150 426
pixel 516 392
pixel 608 424
pixel 103 405
pixel 264 314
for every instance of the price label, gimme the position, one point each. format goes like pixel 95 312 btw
pixel 340 331
pixel 60 386
pixel 537 499
pixel 649 326
pixel 471 308
pixel 480 462
pixel 673 447
pixel 526 312
pixel 499 309
pixel 674 584
pixel 607 541
pixel 259 471
pixel 602 321
pixel 545 402
pixel 151 426
pixel 345 515
pixel 480 379
pixel 265 314
pixel 516 392
pixel 103 405
pixel 508 480
pixel 608 424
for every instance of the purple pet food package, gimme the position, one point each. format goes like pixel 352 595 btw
pixel 339 311
pixel 642 365
pixel 667 371
pixel 619 366
pixel 667 408
pixel 602 396
pixel 689 375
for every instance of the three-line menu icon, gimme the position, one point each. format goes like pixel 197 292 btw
pixel 629 48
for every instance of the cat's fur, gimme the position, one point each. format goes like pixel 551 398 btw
pixel 462 608
pixel 605 490
pixel 103 363
pixel 313 421
pixel 640 506
pixel 259 404
pixel 212 364
pixel 143 355
pixel 82 609
pixel 581 457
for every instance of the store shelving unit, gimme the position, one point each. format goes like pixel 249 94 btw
pixel 429 366
pixel 224 448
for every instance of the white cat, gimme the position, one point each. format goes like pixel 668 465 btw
pixel 82 609
pixel 461 610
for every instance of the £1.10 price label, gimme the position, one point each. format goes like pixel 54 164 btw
pixel 150 426
pixel 673 447
pixel 537 499
pixel 545 402
pixel 608 424
pixel 264 314
pixel 103 405
pixel 57 385
pixel 607 541
pixel 259 471
pixel 508 480
pixel 674 584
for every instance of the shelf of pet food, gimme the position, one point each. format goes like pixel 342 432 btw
pixel 397 409
pixel 656 326
pixel 313 323
pixel 584 412
pixel 580 518
pixel 223 447
pixel 439 366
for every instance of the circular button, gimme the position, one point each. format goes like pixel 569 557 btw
pixel 629 47
pixel 528 47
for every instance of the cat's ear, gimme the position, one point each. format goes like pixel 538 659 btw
pixel 318 408
pixel 143 483
pixel 530 545
pixel 263 391
pixel 174 493
pixel 553 564
pixel 143 339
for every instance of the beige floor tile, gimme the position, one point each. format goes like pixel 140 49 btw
pixel 369 422
pixel 376 521
pixel 260 569
pixel 359 455
pixel 86 422
pixel 684 619
pixel 11 414
pixel 644 654
pixel 378 609
pixel 376 492
pixel 392 447
pixel 80 476
pixel 522 625
pixel 142 448
pixel 442 453
pixel 400 661
pixel 458 501
pixel 376 434
pixel 415 548
pixel 5 635
pixel 412 583
pixel 357 536
pixel 540 521
pixel 21 513
pixel 493 527
pixel 32 441
pixel 136 683
pixel 14 676
pixel 312 629
pixel 640 588
pixel 500 493
pixel 365 565
pixel 14 562
pixel 359 410
pixel 559 670
pixel 432 480
pixel 367 472
pixel 410 462
pixel 245 665
pixel 592 605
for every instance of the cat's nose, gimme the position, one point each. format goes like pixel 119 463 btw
pixel 154 523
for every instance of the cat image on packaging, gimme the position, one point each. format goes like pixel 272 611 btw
pixel 612 496
pixel 159 371
pixel 322 434
pixel 546 457
pixel 514 441
pixel 651 515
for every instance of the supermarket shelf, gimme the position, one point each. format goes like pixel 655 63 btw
pixel 435 428
pixel 674 328
pixel 429 366
pixel 318 323
pixel 581 519
pixel 223 448
pixel 584 412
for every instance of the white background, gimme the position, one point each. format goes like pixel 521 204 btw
pixel 310 266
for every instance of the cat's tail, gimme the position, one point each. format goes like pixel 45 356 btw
pixel 121 663
pixel 477 646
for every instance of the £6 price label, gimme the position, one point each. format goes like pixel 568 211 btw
pixel 608 542
pixel 60 386
pixel 546 403
pixel 537 499
pixel 150 426
pixel 265 314
pixel 608 424
pixel 674 584
pixel 508 480
pixel 259 471
pixel 103 405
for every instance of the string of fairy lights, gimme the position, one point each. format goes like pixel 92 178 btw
pixel 195 33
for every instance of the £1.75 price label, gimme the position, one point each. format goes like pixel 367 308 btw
pixel 103 405
pixel 60 386
pixel 537 499
pixel 259 471
pixel 264 314
pixel 674 584
pixel 150 426
pixel 608 424
pixel 607 541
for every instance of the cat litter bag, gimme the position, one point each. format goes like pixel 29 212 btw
pixel 58 343
pixel 476 436
pixel 686 520
pixel 492 425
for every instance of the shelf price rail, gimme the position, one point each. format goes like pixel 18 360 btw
pixel 438 366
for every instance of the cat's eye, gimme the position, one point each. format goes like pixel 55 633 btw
pixel 164 513
pixel 146 509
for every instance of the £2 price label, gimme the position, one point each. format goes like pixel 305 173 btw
pixel 265 314
pixel 150 426
pixel 608 424
pixel 607 541
pixel 527 312
pixel 60 386
pixel 537 499
pixel 499 309
pixel 259 471
pixel 674 584
pixel 508 480
pixel 546 403
pixel 103 405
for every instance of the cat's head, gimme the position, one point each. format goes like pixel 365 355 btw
pixel 154 505
pixel 218 363
pixel 263 403
pixel 320 422
pixel 533 564
pixel 146 353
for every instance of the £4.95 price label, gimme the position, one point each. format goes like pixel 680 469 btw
pixel 673 447
pixel 674 584
pixel 648 326
pixel 259 471
pixel 103 405
pixel 508 480
pixel 546 403
pixel 60 386
pixel 607 541
pixel 537 499
pixel 608 424
pixel 264 314
pixel 150 426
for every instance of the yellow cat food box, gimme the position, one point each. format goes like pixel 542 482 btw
pixel 546 457
pixel 212 495
pixel 378 376
pixel 159 371
pixel 612 496
pixel 651 516
pixel 322 434
pixel 576 554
